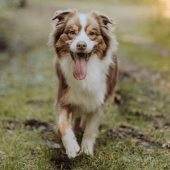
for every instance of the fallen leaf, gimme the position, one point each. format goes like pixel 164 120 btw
pixel 2 152
pixel 137 140
pixel 100 155
pixel 148 132
pixel 57 146
pixel 166 153
pixel 103 130
pixel 109 156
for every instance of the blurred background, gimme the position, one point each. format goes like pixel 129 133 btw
pixel 142 30
pixel 25 26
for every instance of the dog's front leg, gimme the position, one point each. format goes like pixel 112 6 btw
pixel 91 131
pixel 65 132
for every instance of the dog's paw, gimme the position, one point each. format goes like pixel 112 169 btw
pixel 87 147
pixel 86 151
pixel 72 149
pixel 70 143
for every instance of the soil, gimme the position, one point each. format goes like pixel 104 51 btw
pixel 63 162
pixel 34 123
pixel 124 132
pixel 29 124
pixel 133 72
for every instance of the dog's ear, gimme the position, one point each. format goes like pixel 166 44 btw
pixel 61 14
pixel 105 19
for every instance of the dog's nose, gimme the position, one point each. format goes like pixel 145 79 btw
pixel 81 45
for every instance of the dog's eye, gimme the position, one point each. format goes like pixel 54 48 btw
pixel 92 33
pixel 72 32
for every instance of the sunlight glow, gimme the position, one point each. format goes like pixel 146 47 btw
pixel 166 12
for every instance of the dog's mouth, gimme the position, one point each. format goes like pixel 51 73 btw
pixel 80 69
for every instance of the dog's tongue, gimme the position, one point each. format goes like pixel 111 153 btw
pixel 80 70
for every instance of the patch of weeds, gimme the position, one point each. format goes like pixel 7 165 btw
pixel 137 101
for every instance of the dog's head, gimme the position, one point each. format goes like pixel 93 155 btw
pixel 81 35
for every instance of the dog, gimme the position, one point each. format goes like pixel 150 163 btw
pixel 87 69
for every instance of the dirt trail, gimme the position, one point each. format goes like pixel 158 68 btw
pixel 136 72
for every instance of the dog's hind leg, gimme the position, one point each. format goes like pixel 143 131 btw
pixel 65 131
pixel 76 126
pixel 91 131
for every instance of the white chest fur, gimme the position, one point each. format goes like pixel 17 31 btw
pixel 88 93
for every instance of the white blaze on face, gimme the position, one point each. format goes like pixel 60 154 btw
pixel 82 36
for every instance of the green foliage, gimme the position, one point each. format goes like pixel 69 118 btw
pixel 159 29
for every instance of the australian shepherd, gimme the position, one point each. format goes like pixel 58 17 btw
pixel 87 69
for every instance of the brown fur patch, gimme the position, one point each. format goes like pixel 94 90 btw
pixel 63 87
pixel 112 77
pixel 76 124
pixel 100 35
pixel 65 34
pixel 63 124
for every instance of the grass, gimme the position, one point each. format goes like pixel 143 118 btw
pixel 134 132
pixel 145 57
